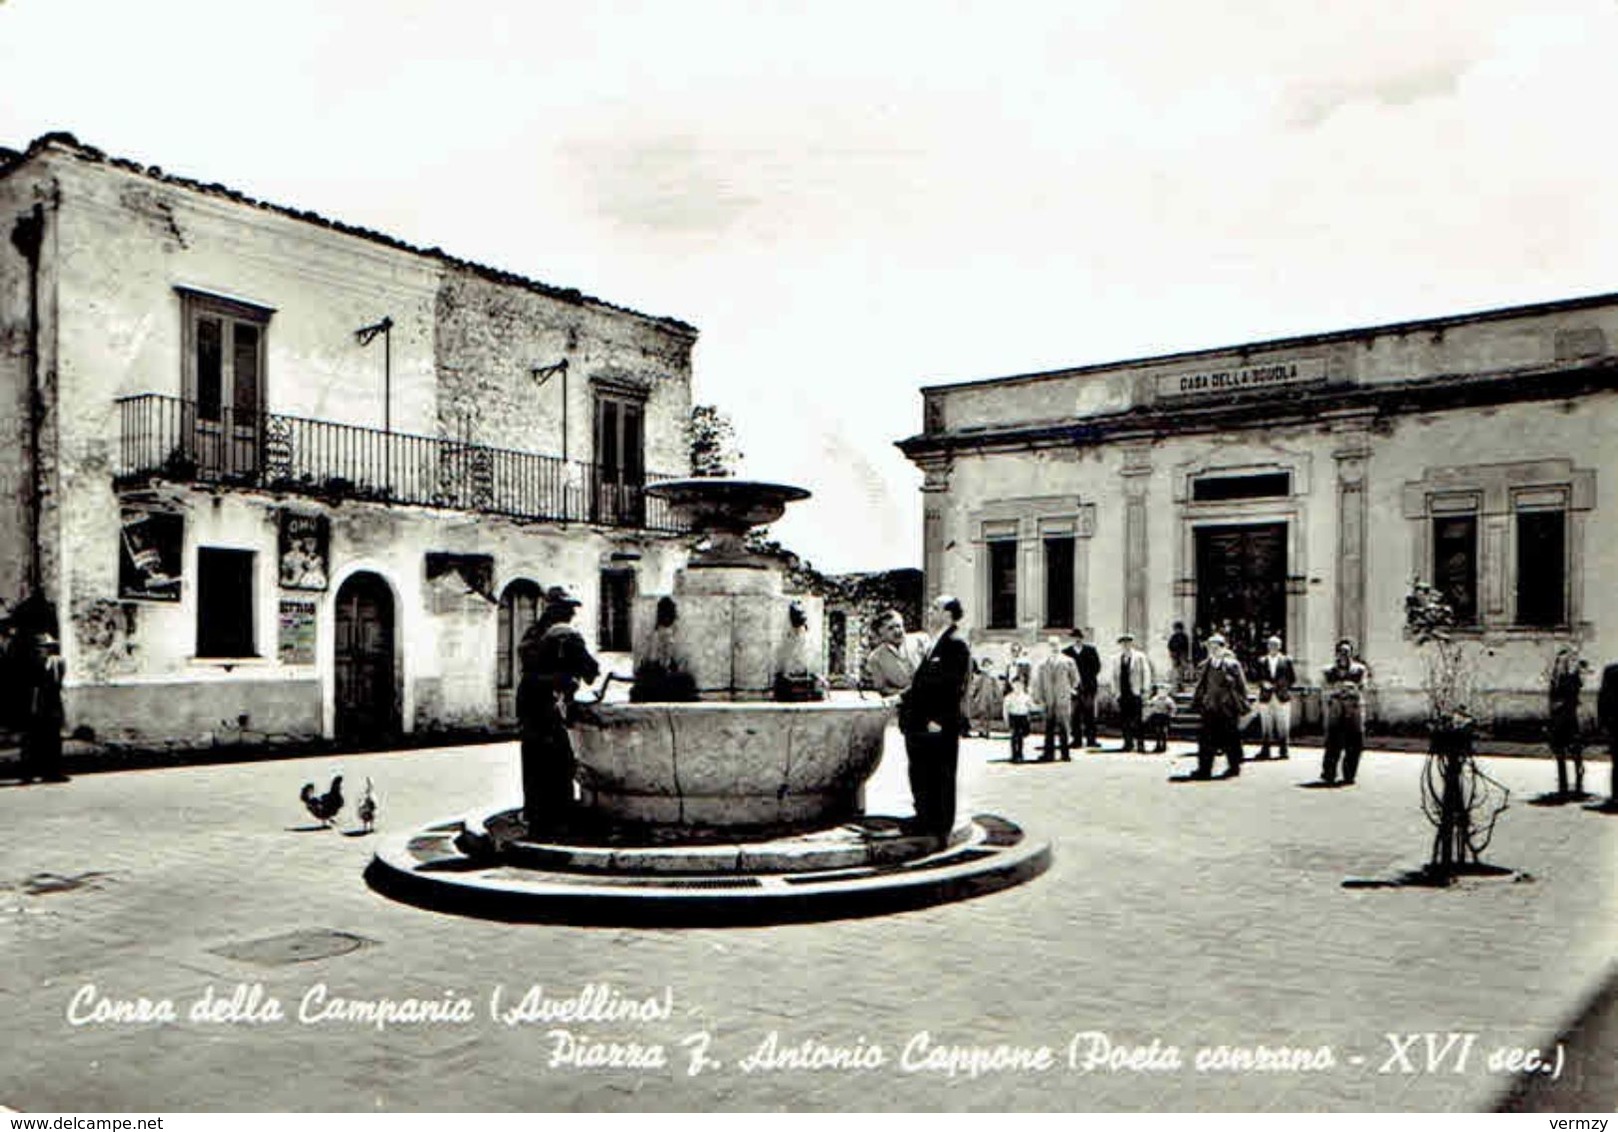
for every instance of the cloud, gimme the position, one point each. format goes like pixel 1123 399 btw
pixel 667 184
pixel 1310 105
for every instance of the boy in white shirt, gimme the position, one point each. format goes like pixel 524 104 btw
pixel 1019 706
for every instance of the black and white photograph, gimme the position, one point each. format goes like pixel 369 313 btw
pixel 721 556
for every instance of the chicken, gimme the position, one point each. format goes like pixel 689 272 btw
pixel 365 808
pixel 323 806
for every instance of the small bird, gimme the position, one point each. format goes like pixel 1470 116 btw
pixel 366 807
pixel 323 806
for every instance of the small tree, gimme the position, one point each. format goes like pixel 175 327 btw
pixel 1461 801
pixel 712 441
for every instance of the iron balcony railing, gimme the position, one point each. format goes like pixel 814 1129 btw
pixel 171 438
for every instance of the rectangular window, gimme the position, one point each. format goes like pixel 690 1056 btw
pixel 1455 564
pixel 1261 485
pixel 1003 584
pixel 244 372
pixel 224 382
pixel 210 368
pixel 1541 568
pixel 224 603
pixel 1059 582
pixel 617 601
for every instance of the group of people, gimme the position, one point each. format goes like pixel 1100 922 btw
pixel 940 695
pixel 1245 640
pixel 1064 686
pixel 1224 703
pixel 928 679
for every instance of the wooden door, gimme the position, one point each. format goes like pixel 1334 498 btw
pixel 1242 579
pixel 519 609
pixel 225 394
pixel 367 687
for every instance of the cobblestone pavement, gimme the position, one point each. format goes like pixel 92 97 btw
pixel 1195 915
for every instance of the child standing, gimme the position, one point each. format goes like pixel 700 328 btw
pixel 1019 705
pixel 1159 713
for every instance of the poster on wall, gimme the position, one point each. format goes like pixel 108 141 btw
pixel 452 579
pixel 149 554
pixel 297 617
pixel 305 540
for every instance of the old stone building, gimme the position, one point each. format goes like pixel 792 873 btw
pixel 1298 486
pixel 285 477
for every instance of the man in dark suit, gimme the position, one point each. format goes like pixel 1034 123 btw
pixel 1221 701
pixel 1607 716
pixel 1088 659
pixel 930 717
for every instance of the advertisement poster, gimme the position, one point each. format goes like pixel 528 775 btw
pixel 297 623
pixel 305 547
pixel 149 554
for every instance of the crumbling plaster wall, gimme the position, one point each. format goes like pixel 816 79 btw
pixel 19 193
pixel 124 243
pixel 492 335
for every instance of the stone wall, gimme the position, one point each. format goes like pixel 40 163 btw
pixel 209 713
pixel 18 196
pixel 1521 339
pixel 491 336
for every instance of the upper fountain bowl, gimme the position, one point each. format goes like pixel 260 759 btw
pixel 726 509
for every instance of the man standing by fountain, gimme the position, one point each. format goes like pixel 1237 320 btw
pixel 554 660
pixel 930 718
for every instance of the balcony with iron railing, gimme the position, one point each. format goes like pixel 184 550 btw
pixel 163 437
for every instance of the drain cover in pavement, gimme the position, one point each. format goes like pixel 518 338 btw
pixel 300 946
pixel 44 884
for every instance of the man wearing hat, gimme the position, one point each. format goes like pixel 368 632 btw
pixel 1054 685
pixel 1221 701
pixel 1133 680
pixel 1088 661
pixel 554 660
pixel 42 703
pixel 1276 676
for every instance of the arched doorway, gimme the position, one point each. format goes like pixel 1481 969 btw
pixel 519 608
pixel 366 679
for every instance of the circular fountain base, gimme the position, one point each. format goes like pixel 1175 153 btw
pixel 489 868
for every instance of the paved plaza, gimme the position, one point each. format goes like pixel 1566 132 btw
pixel 1186 915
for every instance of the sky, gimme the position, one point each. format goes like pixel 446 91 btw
pixel 852 201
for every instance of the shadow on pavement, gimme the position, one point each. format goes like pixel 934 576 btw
pixel 1588 1081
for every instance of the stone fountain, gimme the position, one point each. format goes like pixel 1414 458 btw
pixel 729 807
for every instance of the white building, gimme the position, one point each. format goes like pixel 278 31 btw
pixel 284 477
pixel 1298 485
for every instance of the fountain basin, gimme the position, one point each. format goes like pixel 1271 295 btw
pixel 738 765
pixel 725 504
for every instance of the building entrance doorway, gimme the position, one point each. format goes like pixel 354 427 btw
pixel 366 695
pixel 519 609
pixel 1242 580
